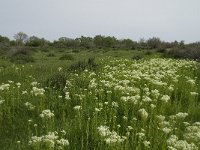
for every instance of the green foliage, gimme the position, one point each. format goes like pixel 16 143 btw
pixel 154 43
pixel 56 81
pixel 127 104
pixel 90 64
pixel 67 57
pixel 137 57
pixel 34 41
pixel 21 56
pixel 186 52
pixel 51 55
pixel 128 44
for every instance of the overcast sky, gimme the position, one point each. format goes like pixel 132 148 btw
pixel 168 19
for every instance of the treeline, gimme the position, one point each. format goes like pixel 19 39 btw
pixel 83 42
pixel 175 49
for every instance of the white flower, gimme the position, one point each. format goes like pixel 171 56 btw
pixel 4 87
pixel 115 104
pixel 46 114
pixel 62 142
pixel 67 97
pixel 24 92
pixel 165 98
pixel 29 106
pixel 59 69
pixel 147 144
pixel 194 93
pixel 166 130
pixel 2 101
pixel 37 91
pixel 143 113
pixel 34 83
pixel 77 107
pixel 110 137
pixel 181 115
pixel 18 84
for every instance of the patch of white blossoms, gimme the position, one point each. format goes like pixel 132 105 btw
pixel 4 87
pixel 51 140
pixel 110 137
pixel 38 91
pixel 47 114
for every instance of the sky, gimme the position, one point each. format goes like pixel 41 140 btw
pixel 167 19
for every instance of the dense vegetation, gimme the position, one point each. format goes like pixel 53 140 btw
pixel 108 104
pixel 170 49
pixel 99 93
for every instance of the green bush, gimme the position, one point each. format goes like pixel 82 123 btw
pixel 56 81
pixel 90 64
pixel 137 57
pixel 185 53
pixel 67 57
pixel 21 56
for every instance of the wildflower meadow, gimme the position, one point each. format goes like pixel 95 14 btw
pixel 123 104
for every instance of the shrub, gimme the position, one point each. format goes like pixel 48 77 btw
pixel 67 57
pixel 161 50
pixel 56 81
pixel 90 64
pixel 185 53
pixel 148 53
pixel 137 57
pixel 21 55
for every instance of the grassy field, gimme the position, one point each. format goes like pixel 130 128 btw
pixel 121 100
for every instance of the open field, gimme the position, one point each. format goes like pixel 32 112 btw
pixel 120 100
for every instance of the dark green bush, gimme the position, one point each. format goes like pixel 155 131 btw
pixel 137 57
pixel 67 57
pixel 185 53
pixel 90 64
pixel 21 55
pixel 148 53
pixel 56 81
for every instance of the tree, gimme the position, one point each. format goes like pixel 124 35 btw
pixel 143 43
pixel 86 42
pixel 128 44
pixel 4 42
pixel 154 43
pixel 98 41
pixel 4 39
pixel 36 42
pixel 21 38
pixel 109 42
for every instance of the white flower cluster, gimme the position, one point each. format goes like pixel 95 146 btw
pixel 143 113
pixel 50 140
pixel 37 91
pixel 178 116
pixel 47 114
pixel 4 87
pixel 67 97
pixel 77 107
pixel 2 101
pixel 108 136
pixel 175 144
pixel 29 106
pixel 193 133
